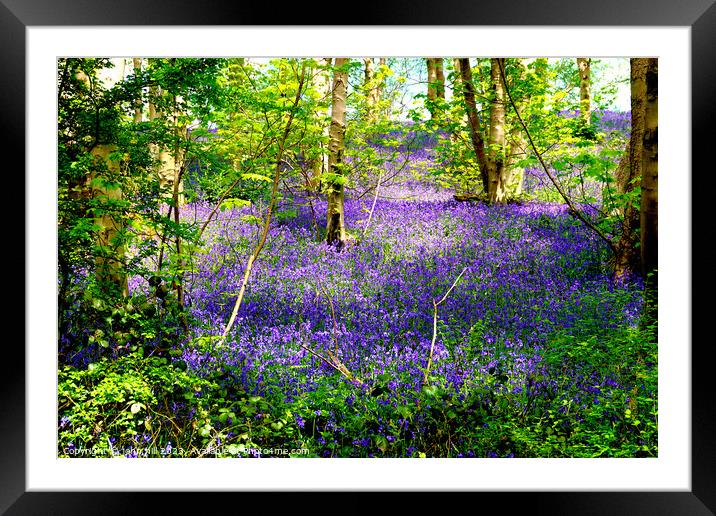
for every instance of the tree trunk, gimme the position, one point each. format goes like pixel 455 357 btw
pixel 172 161
pixel 322 85
pixel 627 258
pixel 649 194
pixel 335 225
pixel 110 271
pixel 137 64
pixel 622 178
pixel 370 89
pixel 468 92
pixel 439 78
pixel 432 86
pixel 384 108
pixel 496 170
pixel 436 84
pixel 514 174
pixel 432 79
pixel 104 189
pixel 585 84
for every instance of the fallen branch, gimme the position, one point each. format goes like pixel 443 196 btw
pixel 469 197
pixel 435 324
pixel 335 364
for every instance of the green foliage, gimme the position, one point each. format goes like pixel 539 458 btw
pixel 616 421
pixel 136 395
pixel 582 130
pixel 92 196
pixel 149 407
pixel 503 412
pixel 108 405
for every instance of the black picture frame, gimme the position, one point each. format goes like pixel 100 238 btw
pixel 16 15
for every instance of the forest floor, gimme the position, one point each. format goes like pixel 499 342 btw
pixel 535 351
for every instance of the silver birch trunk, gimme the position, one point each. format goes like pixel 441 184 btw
pixel 370 88
pixel 496 169
pixel 335 224
pixel 585 85
pixel 321 83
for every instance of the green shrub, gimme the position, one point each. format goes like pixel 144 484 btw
pixel 147 407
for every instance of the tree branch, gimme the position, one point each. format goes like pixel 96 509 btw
pixel 435 324
pixel 274 191
pixel 564 196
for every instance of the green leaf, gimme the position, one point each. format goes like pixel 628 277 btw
pixel 228 204
pixel 251 219
pixel 381 442
pixel 255 177
pixel 404 411
pixel 431 390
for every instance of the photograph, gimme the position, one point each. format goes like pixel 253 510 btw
pixel 357 257
pixel 412 251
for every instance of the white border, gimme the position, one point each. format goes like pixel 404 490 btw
pixel 671 471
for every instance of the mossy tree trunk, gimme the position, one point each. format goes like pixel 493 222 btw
pixel 439 77
pixel 109 219
pixel 432 79
pixel 103 187
pixel 170 157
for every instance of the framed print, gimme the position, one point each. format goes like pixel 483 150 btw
pixel 36 478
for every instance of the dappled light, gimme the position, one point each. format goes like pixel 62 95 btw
pixel 276 258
